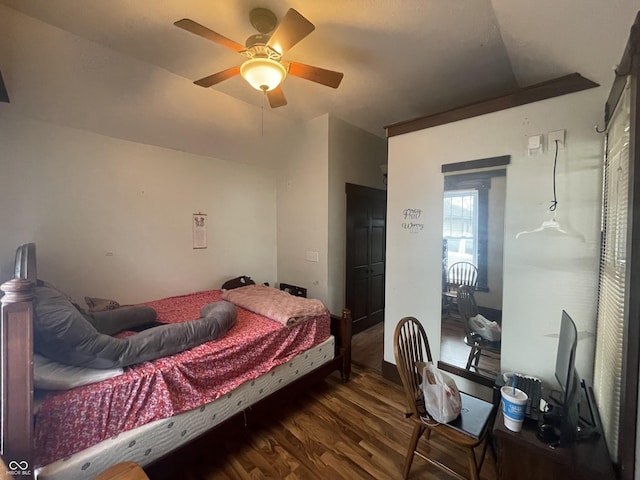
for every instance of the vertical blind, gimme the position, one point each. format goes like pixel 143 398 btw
pixel 613 274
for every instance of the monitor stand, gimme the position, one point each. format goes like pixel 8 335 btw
pixel 550 427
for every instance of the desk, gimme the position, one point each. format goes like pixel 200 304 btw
pixel 523 456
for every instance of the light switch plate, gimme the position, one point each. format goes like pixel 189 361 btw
pixel 312 256
pixel 534 145
pixel 535 141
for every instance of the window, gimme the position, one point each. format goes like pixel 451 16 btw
pixel 465 220
pixel 460 226
pixel 609 361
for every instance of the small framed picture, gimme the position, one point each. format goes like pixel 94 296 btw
pixel 199 224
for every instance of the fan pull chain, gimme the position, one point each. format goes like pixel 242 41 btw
pixel 264 99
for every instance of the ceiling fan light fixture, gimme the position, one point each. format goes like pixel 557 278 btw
pixel 263 74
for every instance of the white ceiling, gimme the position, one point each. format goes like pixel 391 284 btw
pixel 401 59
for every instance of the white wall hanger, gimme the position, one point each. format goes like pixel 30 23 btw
pixel 546 225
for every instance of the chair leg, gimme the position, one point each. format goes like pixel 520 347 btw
pixel 418 430
pixel 485 444
pixel 472 356
pixel 478 353
pixel 473 465
pixel 446 305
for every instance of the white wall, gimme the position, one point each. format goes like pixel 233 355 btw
pixel 311 202
pixel 543 273
pixel 112 218
pixel 302 209
pixel 355 157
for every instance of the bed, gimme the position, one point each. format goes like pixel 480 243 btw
pixel 194 403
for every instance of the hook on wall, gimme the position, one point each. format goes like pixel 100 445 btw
pixel 598 129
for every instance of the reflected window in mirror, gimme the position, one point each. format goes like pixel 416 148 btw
pixel 460 226
pixel 465 228
pixel 473 232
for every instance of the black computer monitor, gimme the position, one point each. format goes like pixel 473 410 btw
pixel 567 377
pixel 566 355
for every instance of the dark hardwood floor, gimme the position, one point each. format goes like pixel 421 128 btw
pixel 367 347
pixel 353 430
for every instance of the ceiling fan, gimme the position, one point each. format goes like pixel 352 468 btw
pixel 264 68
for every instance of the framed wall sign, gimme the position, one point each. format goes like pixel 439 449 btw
pixel 199 225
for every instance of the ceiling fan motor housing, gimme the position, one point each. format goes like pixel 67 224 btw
pixel 263 20
pixel 257 39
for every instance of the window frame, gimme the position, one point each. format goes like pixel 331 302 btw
pixel 481 182
pixel 469 192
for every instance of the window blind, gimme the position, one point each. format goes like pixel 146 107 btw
pixel 608 366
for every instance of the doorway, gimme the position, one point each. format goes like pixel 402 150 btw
pixel 365 255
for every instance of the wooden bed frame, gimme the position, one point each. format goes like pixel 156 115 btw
pixel 16 370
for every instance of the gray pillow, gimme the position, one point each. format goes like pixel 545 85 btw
pixel 63 334
pixel 50 375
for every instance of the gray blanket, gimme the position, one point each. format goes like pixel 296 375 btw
pixel 63 334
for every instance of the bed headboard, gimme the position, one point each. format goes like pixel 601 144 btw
pixel 25 263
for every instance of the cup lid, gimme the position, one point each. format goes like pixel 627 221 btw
pixel 513 394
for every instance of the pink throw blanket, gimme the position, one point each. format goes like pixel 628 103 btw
pixel 275 304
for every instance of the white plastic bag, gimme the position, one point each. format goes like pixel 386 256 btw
pixel 441 395
pixel 485 328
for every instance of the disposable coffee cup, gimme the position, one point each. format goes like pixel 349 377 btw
pixel 514 403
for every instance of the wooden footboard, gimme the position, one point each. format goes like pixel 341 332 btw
pixel 16 370
pixel 341 329
pixel 17 376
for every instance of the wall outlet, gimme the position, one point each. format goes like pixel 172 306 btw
pixel 552 137
pixel 312 256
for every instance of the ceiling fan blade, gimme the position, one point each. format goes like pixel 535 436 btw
pixel 218 77
pixel 196 28
pixel 293 28
pixel 316 74
pixel 276 97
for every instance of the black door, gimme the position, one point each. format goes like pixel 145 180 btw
pixel 366 246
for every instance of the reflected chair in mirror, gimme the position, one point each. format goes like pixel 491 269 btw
pixel 480 346
pixel 411 349
pixel 459 273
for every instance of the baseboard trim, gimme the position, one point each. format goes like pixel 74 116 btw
pixel 390 372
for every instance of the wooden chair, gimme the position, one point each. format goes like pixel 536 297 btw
pixel 411 348
pixel 459 273
pixel 4 471
pixel 480 347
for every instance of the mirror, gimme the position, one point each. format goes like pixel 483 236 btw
pixel 472 246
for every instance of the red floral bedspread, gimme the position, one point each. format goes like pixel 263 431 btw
pixel 70 421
